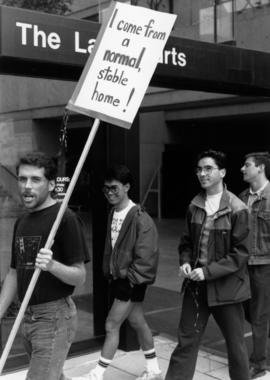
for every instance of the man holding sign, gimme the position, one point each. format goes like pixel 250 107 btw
pixel 50 320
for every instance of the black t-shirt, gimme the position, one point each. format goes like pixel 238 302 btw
pixel 30 235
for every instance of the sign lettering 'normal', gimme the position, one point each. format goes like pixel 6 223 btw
pixel 118 72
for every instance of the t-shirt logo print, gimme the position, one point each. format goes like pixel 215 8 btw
pixel 27 248
pixel 115 228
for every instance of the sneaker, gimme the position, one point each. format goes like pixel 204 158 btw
pixel 255 373
pixel 89 376
pixel 146 375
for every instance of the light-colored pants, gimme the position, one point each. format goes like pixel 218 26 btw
pixel 48 330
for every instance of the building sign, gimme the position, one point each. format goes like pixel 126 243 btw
pixel 38 36
pixel 123 61
pixel 57 46
pixel 61 187
pixel 55 39
pixel 49 46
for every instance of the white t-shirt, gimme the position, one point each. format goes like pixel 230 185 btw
pixel 212 203
pixel 117 221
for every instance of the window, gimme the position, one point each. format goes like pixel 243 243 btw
pixel 217 22
pixel 158 5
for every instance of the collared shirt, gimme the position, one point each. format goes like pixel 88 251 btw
pixel 259 238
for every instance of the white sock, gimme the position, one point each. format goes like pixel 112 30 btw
pixel 151 361
pixel 101 366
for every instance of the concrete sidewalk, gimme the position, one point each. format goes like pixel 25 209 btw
pixel 128 365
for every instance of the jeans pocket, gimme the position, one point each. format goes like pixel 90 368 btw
pixel 69 320
pixel 72 323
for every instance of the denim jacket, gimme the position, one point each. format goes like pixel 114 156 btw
pixel 259 238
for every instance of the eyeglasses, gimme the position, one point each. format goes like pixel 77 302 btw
pixel 206 169
pixel 110 189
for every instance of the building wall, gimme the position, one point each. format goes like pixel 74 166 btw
pixel 253 29
pixel 29 107
pixel 28 111
pixel 31 94
pixel 250 22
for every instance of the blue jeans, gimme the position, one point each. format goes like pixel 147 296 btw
pixel 257 311
pixel 48 330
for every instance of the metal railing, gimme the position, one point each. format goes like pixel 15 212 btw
pixel 8 181
pixel 150 189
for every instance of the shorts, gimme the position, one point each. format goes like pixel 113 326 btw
pixel 123 291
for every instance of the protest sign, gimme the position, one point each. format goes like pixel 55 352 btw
pixel 120 67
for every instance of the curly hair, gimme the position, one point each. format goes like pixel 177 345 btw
pixel 40 160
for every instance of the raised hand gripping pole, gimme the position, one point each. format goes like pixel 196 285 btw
pixel 49 243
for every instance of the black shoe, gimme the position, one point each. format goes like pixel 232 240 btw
pixel 254 373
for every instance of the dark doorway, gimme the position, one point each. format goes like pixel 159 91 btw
pixel 234 136
pixel 89 203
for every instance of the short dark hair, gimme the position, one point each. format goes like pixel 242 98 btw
pixel 218 156
pixel 261 158
pixel 40 160
pixel 119 173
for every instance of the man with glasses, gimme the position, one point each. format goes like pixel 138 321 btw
pixel 213 261
pixel 255 171
pixel 130 263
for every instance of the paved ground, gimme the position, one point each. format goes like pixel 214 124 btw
pixel 162 306
pixel 126 366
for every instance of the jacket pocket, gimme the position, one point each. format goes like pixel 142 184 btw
pixel 222 243
pixel 264 215
pixel 232 288
pixel 263 232
pixel 123 261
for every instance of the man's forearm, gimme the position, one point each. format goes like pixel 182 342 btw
pixel 8 291
pixel 72 275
